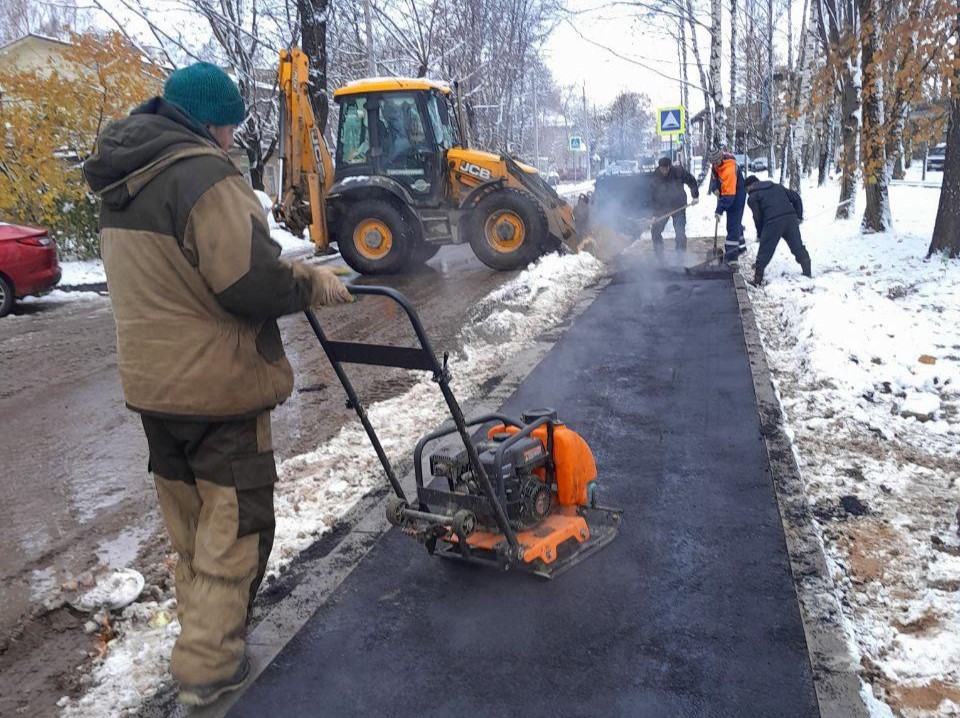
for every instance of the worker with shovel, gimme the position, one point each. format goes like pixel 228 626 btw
pixel 777 214
pixel 196 285
pixel 668 199
pixel 727 182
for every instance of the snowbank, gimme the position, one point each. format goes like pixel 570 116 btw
pixel 866 360
pixel 88 271
pixel 317 488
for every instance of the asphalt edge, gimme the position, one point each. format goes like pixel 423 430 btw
pixel 835 669
pixel 324 575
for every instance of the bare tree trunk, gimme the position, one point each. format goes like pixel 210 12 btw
pixel 788 132
pixel 946 231
pixel 685 91
pixel 704 83
pixel 850 132
pixel 716 88
pixel 734 60
pixel 771 159
pixel 313 20
pixel 827 148
pixel 798 130
pixel 877 216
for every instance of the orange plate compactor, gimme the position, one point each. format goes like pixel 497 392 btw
pixel 521 495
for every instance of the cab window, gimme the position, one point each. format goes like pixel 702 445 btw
pixel 407 152
pixel 438 107
pixel 354 142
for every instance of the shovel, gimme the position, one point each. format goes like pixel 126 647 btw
pixel 713 267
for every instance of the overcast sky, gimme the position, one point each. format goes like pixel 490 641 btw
pixel 589 50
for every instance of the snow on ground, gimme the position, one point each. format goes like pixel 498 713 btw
pixel 317 488
pixel 87 271
pixel 56 296
pixel 866 360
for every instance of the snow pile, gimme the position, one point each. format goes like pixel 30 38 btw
pixel 89 271
pixel 137 660
pixel 866 360
pixel 317 488
pixel 289 244
pixel 58 296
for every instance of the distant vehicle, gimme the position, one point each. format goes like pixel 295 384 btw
pixel 759 165
pixel 936 158
pixel 620 167
pixel 742 160
pixel 28 263
pixel 552 177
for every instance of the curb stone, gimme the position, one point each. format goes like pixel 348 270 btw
pixel 835 668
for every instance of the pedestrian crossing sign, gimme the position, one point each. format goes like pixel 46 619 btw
pixel 671 121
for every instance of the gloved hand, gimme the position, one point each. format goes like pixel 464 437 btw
pixel 716 193
pixel 718 216
pixel 325 288
pixel 695 200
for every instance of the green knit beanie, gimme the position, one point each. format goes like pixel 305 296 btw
pixel 206 93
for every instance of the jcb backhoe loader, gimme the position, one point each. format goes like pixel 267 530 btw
pixel 406 181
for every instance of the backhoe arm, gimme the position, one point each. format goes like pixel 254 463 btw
pixel 306 170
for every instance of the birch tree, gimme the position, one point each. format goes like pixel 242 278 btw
pixel 839 30
pixel 719 129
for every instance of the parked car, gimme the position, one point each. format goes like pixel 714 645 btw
pixel 936 158
pixel 552 177
pixel 742 160
pixel 759 165
pixel 28 263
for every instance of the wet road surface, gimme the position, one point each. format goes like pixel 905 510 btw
pixel 691 611
pixel 73 467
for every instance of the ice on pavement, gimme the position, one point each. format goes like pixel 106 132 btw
pixel 317 488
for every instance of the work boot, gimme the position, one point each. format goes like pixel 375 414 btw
pixel 731 251
pixel 207 693
pixel 805 267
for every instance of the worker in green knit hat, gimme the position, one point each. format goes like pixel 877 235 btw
pixel 208 95
pixel 197 286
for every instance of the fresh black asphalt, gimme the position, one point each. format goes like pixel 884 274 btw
pixel 691 611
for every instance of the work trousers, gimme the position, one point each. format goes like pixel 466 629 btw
pixel 787 228
pixel 215 484
pixel 735 241
pixel 679 229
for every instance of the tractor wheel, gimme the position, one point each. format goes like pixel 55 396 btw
pixel 375 238
pixel 6 296
pixel 507 230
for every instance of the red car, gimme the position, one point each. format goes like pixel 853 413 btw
pixel 28 263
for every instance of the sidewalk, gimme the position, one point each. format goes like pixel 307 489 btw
pixel 691 611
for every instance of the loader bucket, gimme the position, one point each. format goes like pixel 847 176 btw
pixel 618 213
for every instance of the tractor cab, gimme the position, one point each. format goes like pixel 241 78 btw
pixel 399 130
